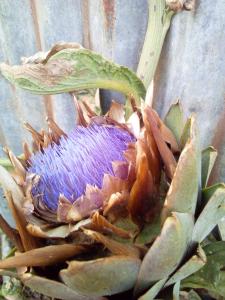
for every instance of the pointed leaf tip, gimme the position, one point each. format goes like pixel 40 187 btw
pixel 174 239
pixel 103 276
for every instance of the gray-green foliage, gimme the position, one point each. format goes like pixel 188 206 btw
pixel 74 69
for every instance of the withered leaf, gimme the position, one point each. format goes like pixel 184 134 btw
pixel 44 256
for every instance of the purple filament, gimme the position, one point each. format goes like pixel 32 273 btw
pixel 81 158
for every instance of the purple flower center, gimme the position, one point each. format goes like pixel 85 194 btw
pixel 81 158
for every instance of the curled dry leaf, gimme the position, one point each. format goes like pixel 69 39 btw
pixel 142 191
pixel 115 247
pixel 44 256
pixel 116 207
pixel 116 112
pixel 165 152
pixel 100 223
pixel 28 241
pixel 11 233
pixel 57 232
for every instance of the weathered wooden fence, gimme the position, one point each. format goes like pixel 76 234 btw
pixel 192 64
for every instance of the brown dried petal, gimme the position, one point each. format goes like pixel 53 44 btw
pixel 113 185
pixel 86 204
pixel 115 247
pixel 90 112
pixel 57 132
pixel 101 224
pixel 11 233
pixel 166 133
pixel 27 152
pixel 64 206
pixel 80 116
pixel 27 240
pixel 153 156
pixel 134 124
pixel 166 154
pixel 116 112
pixel 143 188
pixel 116 206
pixel 120 169
pixel 37 137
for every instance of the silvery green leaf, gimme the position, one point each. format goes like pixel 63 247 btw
pixel 186 132
pixel 8 184
pixel 212 213
pixel 195 263
pixel 174 239
pixel 175 120
pixel 211 277
pixel 72 69
pixel 208 159
pixel 51 288
pixel 153 291
pixel 5 211
pixel 149 233
pixel 176 291
pixel 221 226
pixel 183 192
pixel 103 276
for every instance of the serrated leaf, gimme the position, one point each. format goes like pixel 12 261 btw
pixel 208 159
pixel 103 276
pixel 175 120
pixel 183 192
pixel 153 291
pixel 174 239
pixel 74 69
pixel 211 277
pixel 194 264
pixel 212 213
pixel 52 288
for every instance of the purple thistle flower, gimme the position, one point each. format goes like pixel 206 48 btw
pixel 81 158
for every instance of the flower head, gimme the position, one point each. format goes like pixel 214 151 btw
pixel 81 158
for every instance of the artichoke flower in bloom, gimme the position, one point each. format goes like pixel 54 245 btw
pixel 116 205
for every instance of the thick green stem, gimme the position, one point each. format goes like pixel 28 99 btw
pixel 158 25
